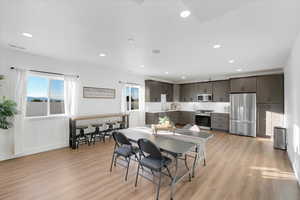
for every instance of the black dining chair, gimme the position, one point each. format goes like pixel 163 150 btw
pixel 123 148
pixel 152 159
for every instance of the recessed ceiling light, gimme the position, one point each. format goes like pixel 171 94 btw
pixel 142 66
pixel 217 46
pixel 166 72
pixel 239 70
pixel 102 54
pixel 183 77
pixel 27 35
pixel 185 13
pixel 231 61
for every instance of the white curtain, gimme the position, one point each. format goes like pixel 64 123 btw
pixel 20 99
pixel 71 95
pixel 123 99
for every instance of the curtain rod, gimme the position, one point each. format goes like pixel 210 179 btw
pixel 45 72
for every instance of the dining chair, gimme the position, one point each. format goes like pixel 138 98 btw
pixel 152 159
pixel 123 148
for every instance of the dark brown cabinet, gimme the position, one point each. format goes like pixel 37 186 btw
pixel 186 117
pixel 220 91
pixel 154 90
pixel 187 93
pixel 268 116
pixel 152 118
pixel 220 121
pixel 190 91
pixel 240 85
pixel 203 88
pixel 270 89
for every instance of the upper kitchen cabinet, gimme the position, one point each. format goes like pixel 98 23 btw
pixel 221 91
pixel 270 89
pixel 203 88
pixel 188 92
pixel 243 85
pixel 154 90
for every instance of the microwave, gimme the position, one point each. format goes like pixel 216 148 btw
pixel 204 97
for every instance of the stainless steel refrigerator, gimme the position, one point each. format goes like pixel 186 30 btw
pixel 243 114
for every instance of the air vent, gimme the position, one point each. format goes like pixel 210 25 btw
pixel 16 47
pixel 156 51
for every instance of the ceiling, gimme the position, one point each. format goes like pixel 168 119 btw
pixel 257 34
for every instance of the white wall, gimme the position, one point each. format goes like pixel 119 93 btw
pixel 292 107
pixel 49 133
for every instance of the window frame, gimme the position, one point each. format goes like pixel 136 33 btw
pixel 139 88
pixel 49 78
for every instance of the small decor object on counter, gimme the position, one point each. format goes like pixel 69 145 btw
pixel 164 124
pixel 105 93
pixel 8 109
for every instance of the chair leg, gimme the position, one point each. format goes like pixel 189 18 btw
pixel 128 163
pixel 112 161
pixel 137 175
pixel 158 187
pixel 113 157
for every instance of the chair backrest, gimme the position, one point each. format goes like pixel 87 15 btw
pixel 148 147
pixel 120 139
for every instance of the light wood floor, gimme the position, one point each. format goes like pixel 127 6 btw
pixel 237 168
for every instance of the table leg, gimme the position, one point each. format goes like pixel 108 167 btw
pixel 174 179
pixel 195 160
pixel 204 154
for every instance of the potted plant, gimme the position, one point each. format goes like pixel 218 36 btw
pixel 8 109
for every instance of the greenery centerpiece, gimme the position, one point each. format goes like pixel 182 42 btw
pixel 8 109
pixel 164 121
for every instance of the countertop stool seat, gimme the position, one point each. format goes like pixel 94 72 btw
pixel 108 131
pixel 82 137
pixel 97 133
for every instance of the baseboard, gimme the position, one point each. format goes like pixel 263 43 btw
pixel 293 167
pixel 33 151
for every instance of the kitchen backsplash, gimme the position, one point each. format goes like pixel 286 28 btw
pixel 190 106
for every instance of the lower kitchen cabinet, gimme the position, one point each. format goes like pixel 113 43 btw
pixel 152 118
pixel 186 117
pixel 268 116
pixel 220 121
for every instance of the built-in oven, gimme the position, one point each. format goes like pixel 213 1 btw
pixel 203 118
pixel 204 97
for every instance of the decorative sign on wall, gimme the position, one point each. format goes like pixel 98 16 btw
pixel 105 93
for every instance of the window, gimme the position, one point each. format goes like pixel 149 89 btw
pixel 132 98
pixel 45 96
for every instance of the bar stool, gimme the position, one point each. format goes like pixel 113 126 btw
pixel 108 130
pixel 97 133
pixel 81 137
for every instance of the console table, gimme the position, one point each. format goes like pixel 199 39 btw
pixel 74 119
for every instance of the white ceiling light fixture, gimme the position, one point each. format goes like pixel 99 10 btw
pixel 217 46
pixel 102 54
pixel 142 66
pixel 183 77
pixel 185 13
pixel 27 35
pixel 231 61
pixel 239 70
pixel 166 72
